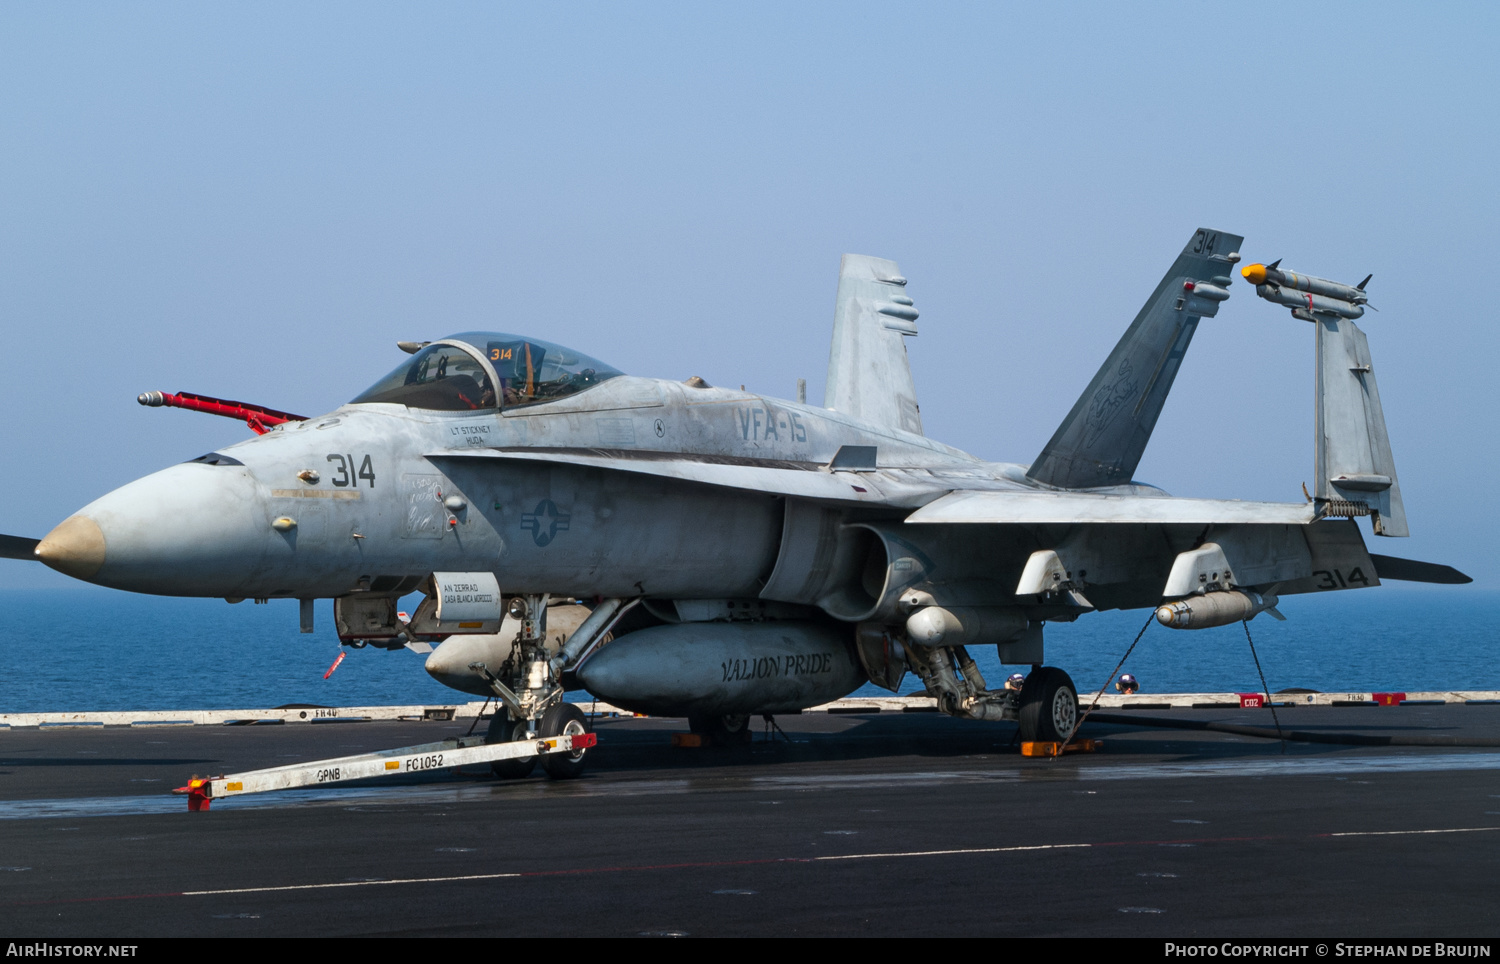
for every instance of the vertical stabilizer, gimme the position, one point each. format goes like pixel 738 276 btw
pixel 1356 472
pixel 1103 437
pixel 868 375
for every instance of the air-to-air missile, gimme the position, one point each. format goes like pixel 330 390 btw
pixel 1306 295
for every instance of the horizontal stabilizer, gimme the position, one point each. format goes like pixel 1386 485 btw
pixel 1410 570
pixel 17 547
pixel 1102 439
pixel 1059 508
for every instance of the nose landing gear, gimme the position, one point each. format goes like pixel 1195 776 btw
pixel 531 698
pixel 563 719
pixel 503 729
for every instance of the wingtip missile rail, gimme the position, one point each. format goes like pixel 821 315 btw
pixel 1305 295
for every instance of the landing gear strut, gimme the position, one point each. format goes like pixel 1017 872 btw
pixel 531 698
pixel 1046 708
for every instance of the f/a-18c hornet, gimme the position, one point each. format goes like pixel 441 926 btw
pixel 683 549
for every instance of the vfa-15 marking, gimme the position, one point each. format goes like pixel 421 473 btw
pixel 680 548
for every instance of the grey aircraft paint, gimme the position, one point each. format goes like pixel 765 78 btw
pixel 724 511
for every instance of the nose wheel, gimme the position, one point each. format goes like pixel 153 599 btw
pixel 1049 706
pixel 563 719
pixel 503 729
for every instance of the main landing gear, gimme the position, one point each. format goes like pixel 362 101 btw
pixel 1048 711
pixel 1046 708
pixel 722 730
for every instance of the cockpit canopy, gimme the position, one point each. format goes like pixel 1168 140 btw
pixel 457 377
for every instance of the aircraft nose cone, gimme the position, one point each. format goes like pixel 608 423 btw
pixel 75 547
pixel 188 530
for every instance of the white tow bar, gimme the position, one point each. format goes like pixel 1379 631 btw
pixel 448 754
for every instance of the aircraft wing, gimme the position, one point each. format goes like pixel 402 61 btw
pixel 806 480
pixel 1043 508
pixel 1124 542
pixel 935 500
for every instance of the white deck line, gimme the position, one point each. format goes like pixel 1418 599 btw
pixel 1117 701
pixel 880 704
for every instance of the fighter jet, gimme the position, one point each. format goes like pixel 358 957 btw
pixel 684 549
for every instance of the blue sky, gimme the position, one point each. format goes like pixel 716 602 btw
pixel 257 201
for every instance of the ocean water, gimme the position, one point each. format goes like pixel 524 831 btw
pixel 93 649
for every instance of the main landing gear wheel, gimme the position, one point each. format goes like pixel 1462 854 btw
pixel 1049 706
pixel 722 730
pixel 503 729
pixel 563 719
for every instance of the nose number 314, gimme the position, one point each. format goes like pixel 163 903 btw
pixel 348 475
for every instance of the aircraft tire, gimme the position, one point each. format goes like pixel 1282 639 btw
pixel 502 730
pixel 1049 706
pixel 563 719
pixel 722 730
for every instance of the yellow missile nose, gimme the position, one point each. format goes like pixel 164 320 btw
pixel 1254 273
pixel 75 547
